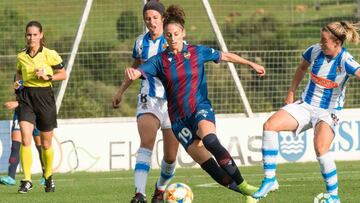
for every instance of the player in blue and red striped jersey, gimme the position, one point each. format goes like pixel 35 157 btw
pixel 181 70
pixel 319 107
pixel 152 111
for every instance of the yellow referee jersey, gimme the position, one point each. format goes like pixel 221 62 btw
pixel 44 58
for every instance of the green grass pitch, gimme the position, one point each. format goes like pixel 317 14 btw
pixel 299 182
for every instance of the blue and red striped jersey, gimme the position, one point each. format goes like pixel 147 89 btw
pixel 183 76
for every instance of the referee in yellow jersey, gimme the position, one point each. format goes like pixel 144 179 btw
pixel 37 67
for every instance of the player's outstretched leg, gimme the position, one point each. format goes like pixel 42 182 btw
pixel 226 162
pixel 270 149
pixel 166 174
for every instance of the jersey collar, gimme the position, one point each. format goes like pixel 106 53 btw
pixel 39 50
pixel 148 37
pixel 184 49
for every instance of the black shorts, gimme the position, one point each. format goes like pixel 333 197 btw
pixel 37 106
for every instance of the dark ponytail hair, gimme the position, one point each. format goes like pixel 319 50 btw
pixel 38 25
pixel 174 14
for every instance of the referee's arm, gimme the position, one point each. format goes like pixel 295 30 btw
pixel 59 74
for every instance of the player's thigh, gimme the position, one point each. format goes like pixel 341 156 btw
pixel 26 129
pixel 281 121
pixel 205 127
pixel 171 145
pixel 148 125
pixel 198 152
pixel 323 137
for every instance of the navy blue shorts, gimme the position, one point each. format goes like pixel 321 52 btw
pixel 185 129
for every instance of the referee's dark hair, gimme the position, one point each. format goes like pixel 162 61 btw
pixel 38 25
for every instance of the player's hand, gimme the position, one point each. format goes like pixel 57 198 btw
pixel 11 105
pixel 116 100
pixel 132 74
pixel 260 70
pixel 40 73
pixel 17 84
pixel 290 98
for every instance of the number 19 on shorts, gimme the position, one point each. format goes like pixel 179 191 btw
pixel 185 135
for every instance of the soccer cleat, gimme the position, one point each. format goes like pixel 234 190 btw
pixel 250 199
pixel 49 184
pixel 7 180
pixel 158 196
pixel 247 189
pixel 139 198
pixel 267 185
pixel 25 186
pixel 42 180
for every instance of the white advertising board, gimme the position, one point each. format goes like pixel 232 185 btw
pixel 106 144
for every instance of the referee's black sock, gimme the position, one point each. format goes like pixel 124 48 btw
pixel 222 156
pixel 219 175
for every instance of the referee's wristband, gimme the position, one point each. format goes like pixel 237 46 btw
pixel 49 77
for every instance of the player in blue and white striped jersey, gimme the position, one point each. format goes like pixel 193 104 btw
pixel 152 111
pixel 331 66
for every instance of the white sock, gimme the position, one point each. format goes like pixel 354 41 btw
pixel 142 168
pixel 328 171
pixel 166 174
pixel 270 150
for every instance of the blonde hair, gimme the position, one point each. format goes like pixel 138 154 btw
pixel 343 31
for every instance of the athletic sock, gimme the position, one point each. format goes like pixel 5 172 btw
pixel 26 161
pixel 14 158
pixel 270 150
pixel 142 168
pixel 223 158
pixel 48 158
pixel 328 171
pixel 166 174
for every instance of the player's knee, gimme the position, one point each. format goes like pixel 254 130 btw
pixel 321 149
pixel 170 160
pixel 269 126
pixel 26 142
pixel 46 144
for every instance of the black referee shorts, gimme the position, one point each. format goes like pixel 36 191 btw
pixel 37 106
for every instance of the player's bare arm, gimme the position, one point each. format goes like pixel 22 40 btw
pixel 298 76
pixel 230 57
pixel 357 74
pixel 126 83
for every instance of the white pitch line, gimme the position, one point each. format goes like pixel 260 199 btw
pixel 213 185
pixel 301 176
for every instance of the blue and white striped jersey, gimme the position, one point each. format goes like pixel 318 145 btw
pixel 328 77
pixel 145 48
